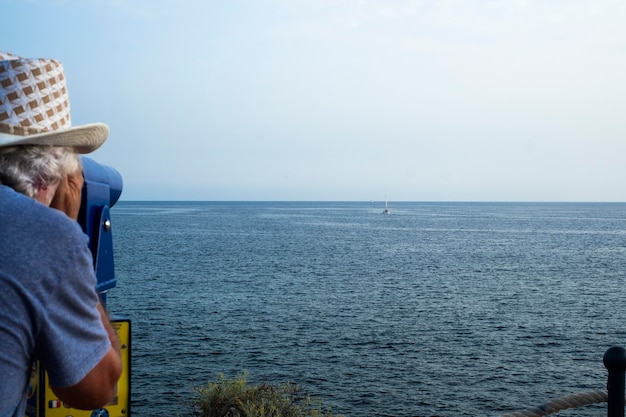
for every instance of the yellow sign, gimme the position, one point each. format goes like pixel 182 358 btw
pixel 51 406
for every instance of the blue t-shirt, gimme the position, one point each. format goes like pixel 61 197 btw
pixel 47 300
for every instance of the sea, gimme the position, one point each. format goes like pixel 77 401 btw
pixel 437 309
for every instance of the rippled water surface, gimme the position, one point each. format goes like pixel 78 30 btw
pixel 439 309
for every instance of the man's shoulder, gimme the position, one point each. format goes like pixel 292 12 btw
pixel 26 214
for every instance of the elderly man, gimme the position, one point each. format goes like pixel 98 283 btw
pixel 49 308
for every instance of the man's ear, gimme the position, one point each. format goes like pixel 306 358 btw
pixel 45 193
pixel 68 195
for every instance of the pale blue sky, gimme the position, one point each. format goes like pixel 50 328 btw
pixel 490 100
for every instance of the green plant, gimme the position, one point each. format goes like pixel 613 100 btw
pixel 236 398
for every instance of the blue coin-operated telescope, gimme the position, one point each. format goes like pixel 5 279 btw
pixel 101 190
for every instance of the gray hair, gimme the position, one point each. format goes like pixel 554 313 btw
pixel 27 168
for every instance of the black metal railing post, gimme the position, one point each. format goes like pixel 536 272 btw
pixel 615 361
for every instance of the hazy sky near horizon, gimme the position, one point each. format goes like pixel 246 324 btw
pixel 446 100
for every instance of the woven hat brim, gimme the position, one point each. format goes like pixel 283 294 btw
pixel 84 139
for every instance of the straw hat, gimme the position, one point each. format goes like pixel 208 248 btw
pixel 35 108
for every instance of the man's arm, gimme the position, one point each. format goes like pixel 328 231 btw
pixel 97 388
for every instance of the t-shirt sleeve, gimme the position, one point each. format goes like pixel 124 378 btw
pixel 73 337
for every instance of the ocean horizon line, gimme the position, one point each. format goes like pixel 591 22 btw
pixel 376 201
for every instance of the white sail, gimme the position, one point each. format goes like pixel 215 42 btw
pixel 386 210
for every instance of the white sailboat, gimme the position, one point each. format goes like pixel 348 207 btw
pixel 386 210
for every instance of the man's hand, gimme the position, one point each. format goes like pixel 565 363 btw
pixel 68 194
